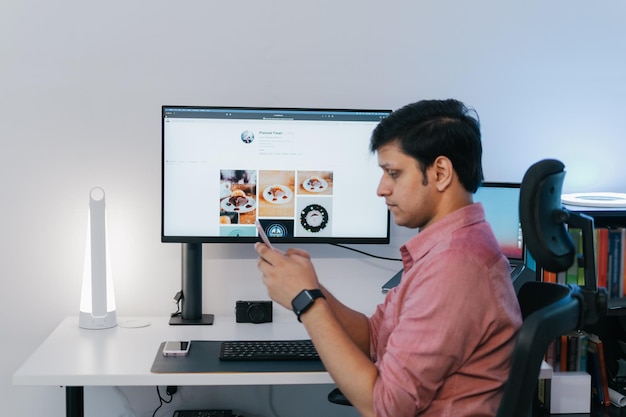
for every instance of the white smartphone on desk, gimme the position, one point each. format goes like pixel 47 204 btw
pixel 176 348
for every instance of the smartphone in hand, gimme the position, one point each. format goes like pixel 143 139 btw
pixel 263 234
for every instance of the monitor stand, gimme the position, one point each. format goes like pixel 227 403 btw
pixel 191 277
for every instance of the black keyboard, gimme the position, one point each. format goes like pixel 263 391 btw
pixel 268 350
pixel 203 413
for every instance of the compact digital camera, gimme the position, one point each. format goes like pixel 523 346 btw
pixel 253 311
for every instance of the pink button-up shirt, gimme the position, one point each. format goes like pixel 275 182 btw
pixel 442 339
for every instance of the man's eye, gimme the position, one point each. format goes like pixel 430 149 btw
pixel 392 174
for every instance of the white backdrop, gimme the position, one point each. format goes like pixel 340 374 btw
pixel 81 85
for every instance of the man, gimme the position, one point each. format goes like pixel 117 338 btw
pixel 440 343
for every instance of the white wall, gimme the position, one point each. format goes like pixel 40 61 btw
pixel 81 85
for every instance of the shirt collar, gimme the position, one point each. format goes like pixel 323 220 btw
pixel 416 247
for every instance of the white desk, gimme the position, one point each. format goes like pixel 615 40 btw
pixel 122 356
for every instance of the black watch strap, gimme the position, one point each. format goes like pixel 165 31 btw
pixel 303 301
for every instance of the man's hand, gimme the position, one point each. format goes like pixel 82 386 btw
pixel 286 274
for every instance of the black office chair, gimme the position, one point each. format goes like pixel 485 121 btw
pixel 548 310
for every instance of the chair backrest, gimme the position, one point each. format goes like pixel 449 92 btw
pixel 549 310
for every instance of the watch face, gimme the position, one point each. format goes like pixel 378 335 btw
pixel 301 302
pixel 304 300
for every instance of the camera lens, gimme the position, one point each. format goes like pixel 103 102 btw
pixel 256 313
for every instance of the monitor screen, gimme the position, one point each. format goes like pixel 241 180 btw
pixel 306 174
pixel 501 204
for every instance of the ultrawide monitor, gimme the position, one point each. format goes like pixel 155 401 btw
pixel 306 174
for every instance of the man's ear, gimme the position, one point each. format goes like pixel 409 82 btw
pixel 444 172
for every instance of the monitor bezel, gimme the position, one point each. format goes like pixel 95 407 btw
pixel 252 239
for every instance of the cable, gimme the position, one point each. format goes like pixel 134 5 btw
pixel 177 297
pixel 163 400
pixel 366 253
pixel 270 394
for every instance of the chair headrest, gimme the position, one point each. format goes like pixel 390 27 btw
pixel 543 217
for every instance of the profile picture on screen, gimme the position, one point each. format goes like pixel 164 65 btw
pixel 247 136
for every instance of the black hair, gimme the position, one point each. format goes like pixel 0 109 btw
pixel 431 128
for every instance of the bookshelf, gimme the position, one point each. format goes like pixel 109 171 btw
pixel 611 329
pixel 609 218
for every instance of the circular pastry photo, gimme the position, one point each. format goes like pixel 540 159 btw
pixel 314 218
pixel 277 194
pixel 315 184
pixel 238 202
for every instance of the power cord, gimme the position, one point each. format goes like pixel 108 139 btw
pixel 371 255
pixel 270 394
pixel 170 391
pixel 177 297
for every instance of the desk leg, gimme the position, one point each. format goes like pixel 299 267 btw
pixel 74 402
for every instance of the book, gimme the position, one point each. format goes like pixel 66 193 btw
pixel 544 392
pixel 550 356
pixel 583 349
pixel 623 262
pixel 549 276
pixel 597 392
pixel 602 255
pixel 575 272
pixel 615 271
pixel 575 351
pixel 597 364
pixel 572 352
pixel 563 354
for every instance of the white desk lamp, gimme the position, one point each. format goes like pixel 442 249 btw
pixel 97 301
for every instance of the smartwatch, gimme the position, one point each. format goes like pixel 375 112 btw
pixel 303 301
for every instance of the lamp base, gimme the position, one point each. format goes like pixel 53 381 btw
pixel 87 321
pixel 206 320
